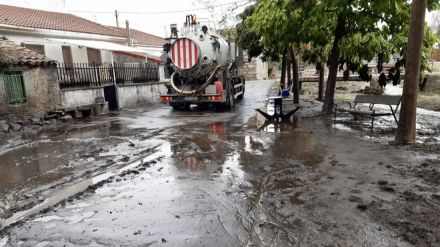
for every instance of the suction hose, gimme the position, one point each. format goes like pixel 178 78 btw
pixel 173 85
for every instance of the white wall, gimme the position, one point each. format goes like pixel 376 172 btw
pixel 79 54
pixel 262 70
pixel 106 56
pixel 53 49
pixel 140 94
pixel 79 97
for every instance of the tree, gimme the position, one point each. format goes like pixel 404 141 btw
pixel 316 53
pixel 246 37
pixel 280 23
pixel 406 132
pixel 353 20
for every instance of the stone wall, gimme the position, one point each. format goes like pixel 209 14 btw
pixel 256 69
pixel 42 92
pixel 140 94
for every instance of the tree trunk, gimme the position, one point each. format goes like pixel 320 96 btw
pixel 289 68
pixel 295 77
pixel 321 81
pixel 283 70
pixel 406 132
pixel 333 70
pixel 240 58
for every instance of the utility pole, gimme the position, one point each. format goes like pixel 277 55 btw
pixel 127 27
pixel 406 132
pixel 117 18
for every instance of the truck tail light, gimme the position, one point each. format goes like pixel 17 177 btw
pixel 165 98
pixel 216 97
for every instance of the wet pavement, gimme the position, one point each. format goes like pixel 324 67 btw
pixel 157 177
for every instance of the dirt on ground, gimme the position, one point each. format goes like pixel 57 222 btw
pixel 230 179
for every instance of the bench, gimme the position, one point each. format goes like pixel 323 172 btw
pixel 390 100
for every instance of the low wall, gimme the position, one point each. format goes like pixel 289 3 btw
pixel 81 96
pixel 140 94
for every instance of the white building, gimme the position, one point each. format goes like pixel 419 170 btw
pixel 71 39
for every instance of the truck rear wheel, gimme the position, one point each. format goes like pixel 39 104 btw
pixel 229 101
pixel 181 106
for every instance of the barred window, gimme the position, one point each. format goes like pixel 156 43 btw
pixel 14 87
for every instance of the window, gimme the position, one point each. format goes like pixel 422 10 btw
pixel 14 86
pixel 94 56
pixel 67 55
pixel 37 48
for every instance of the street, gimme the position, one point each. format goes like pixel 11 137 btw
pixel 159 177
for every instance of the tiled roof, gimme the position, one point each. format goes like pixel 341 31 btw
pixel 13 54
pixel 32 18
pixel 142 38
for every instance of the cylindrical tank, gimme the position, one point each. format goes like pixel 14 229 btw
pixel 196 56
pixel 198 50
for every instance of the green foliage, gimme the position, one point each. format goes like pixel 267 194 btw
pixel 371 29
pixel 399 44
pixel 246 38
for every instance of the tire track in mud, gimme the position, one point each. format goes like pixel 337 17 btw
pixel 259 220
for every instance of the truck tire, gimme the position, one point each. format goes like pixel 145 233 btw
pixel 202 106
pixel 230 100
pixel 229 103
pixel 181 106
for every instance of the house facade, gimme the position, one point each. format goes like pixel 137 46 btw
pixel 64 37
pixel 28 82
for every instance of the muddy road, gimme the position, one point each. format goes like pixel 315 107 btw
pixel 157 177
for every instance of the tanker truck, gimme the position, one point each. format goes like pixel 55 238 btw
pixel 202 68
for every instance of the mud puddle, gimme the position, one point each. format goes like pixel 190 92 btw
pixel 52 159
pixel 51 198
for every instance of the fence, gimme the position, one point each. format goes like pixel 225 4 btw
pixel 98 75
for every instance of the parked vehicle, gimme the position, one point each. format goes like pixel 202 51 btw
pixel 202 67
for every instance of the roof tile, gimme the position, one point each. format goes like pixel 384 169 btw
pixel 142 38
pixel 13 54
pixel 33 18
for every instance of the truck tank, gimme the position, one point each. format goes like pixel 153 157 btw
pixel 202 66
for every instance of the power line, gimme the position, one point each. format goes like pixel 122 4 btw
pixel 161 12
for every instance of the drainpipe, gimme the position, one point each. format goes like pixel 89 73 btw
pixel 127 27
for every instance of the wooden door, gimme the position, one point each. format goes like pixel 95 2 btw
pixel 67 55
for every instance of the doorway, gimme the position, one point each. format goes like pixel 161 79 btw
pixel 111 97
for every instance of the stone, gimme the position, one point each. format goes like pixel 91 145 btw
pixel 50 116
pixel 66 117
pixel 36 121
pixel 4 126
pixel 15 127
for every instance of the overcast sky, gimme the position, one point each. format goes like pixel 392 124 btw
pixel 103 11
pixel 152 16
